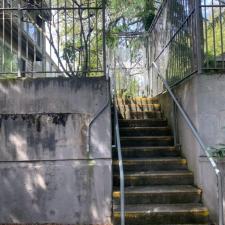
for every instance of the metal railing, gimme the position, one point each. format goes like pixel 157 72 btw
pixel 119 152
pixel 186 37
pixel 120 159
pixel 199 140
pixel 213 34
pixel 52 38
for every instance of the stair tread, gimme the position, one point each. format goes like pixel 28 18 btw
pixel 147 137
pixel 164 208
pixel 145 128
pixel 159 189
pixel 144 120
pixel 149 147
pixel 155 159
pixel 148 152
pixel 137 98
pixel 156 173
pixel 144 111
pixel 139 104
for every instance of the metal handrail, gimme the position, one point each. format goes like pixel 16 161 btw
pixel 120 159
pixel 201 143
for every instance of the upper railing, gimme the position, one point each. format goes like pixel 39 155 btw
pixel 187 36
pixel 213 34
pixel 52 38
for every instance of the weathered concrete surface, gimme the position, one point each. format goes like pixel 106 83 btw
pixel 43 137
pixel 48 172
pixel 203 98
pixel 85 97
pixel 55 95
pixel 66 192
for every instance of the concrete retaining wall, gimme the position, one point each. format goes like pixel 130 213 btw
pixel 203 98
pixel 48 170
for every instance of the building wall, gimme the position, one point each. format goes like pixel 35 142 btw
pixel 203 98
pixel 49 171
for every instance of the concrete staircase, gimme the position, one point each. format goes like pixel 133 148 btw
pixel 159 188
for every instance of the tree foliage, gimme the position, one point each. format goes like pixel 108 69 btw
pixel 126 16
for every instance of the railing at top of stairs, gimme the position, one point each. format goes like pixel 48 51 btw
pixel 200 141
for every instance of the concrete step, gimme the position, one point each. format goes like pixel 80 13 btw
pixel 143 122
pixel 153 164
pixel 145 131
pixel 155 178
pixel 137 100
pixel 147 141
pixel 140 115
pixel 146 152
pixel 163 214
pixel 138 107
pixel 172 194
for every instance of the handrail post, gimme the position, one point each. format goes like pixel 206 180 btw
pixel 198 33
pixel 19 54
pixel 175 128
pixel 104 37
pixel 148 66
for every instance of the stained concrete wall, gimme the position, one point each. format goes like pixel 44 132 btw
pixel 203 98
pixel 48 171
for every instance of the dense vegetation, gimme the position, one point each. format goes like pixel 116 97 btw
pixel 128 16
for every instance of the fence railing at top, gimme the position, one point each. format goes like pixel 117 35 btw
pixel 187 36
pixel 213 34
pixel 52 38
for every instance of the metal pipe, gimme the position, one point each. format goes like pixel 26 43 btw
pixel 104 36
pixel 19 54
pixel 201 143
pixel 119 151
pixel 120 158
pixel 95 117
pixel 175 125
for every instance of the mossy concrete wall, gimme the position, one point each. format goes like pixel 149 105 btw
pixel 54 166
pixel 203 98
